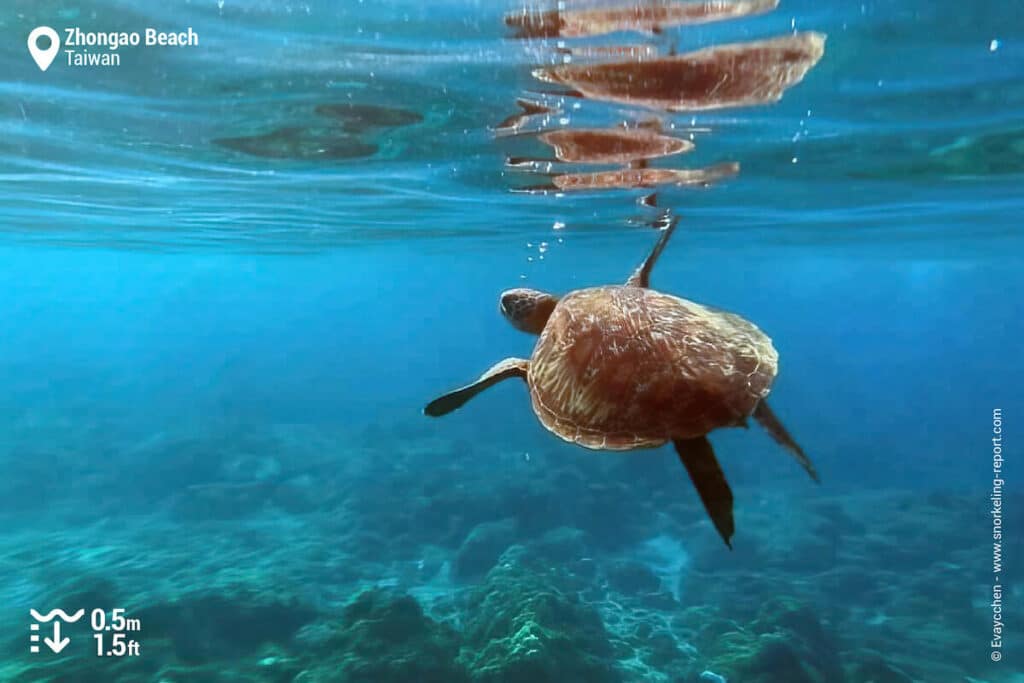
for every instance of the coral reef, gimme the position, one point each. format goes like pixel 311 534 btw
pixel 265 560
pixel 524 629
pixel 383 637
pixel 207 626
pixel 785 644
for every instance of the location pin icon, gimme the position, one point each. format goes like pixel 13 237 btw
pixel 44 58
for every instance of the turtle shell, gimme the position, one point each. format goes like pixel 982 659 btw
pixel 626 367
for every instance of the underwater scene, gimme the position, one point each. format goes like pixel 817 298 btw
pixel 576 341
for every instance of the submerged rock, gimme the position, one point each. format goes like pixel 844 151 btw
pixel 301 143
pixel 521 629
pixel 482 548
pixel 207 626
pixel 340 133
pixel 358 118
pixel 874 669
pixel 563 546
pixel 632 578
pixel 385 637
pixel 785 644
pixel 995 152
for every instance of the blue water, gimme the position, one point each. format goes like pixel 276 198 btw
pixel 214 361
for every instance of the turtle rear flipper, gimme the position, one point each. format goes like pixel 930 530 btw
pixel 701 464
pixel 641 277
pixel 500 371
pixel 764 415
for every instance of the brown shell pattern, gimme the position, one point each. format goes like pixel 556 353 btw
pixel 618 368
pixel 612 145
pixel 735 75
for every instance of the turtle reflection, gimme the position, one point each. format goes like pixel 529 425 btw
pixel 612 145
pixel 606 52
pixel 633 178
pixel 738 74
pixel 527 109
pixel 646 17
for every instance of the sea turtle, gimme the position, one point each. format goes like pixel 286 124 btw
pixel 622 367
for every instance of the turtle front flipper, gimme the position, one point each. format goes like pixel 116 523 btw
pixel 701 464
pixel 641 277
pixel 506 369
pixel 764 415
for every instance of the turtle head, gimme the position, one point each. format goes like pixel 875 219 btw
pixel 527 309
